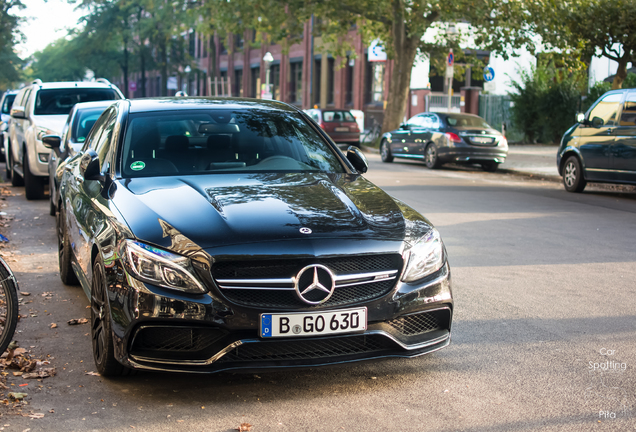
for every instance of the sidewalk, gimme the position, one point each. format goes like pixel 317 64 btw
pixel 526 159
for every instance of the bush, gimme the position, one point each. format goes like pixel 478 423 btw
pixel 546 101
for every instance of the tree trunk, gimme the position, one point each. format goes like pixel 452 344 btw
pixel 405 48
pixel 212 63
pixel 124 68
pixel 621 73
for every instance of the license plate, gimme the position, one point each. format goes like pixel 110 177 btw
pixel 313 323
pixel 342 129
pixel 481 140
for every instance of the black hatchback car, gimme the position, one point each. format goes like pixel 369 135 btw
pixel 220 234
pixel 439 138
pixel 601 147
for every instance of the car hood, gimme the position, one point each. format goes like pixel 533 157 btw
pixel 212 211
pixel 54 123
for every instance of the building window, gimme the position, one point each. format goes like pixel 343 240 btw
pixel 296 83
pixel 349 81
pixel 191 43
pixel 331 65
pixel 205 42
pixel 378 83
pixel 238 83
pixel 256 82
pixel 274 77
pixel 198 47
pixel 316 81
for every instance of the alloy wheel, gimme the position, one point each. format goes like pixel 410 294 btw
pixel 570 174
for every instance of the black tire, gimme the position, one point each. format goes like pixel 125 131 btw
pixel 430 157
pixel 490 166
pixel 64 253
pixel 33 185
pixel 8 306
pixel 101 326
pixel 385 152
pixel 573 178
pixel 16 179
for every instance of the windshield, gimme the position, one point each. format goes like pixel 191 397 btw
pixel 84 121
pixel 211 141
pixel 60 101
pixel 6 104
pixel 467 121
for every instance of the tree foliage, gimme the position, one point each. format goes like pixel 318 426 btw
pixel 399 24
pixel 9 37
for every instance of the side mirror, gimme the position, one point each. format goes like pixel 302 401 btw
pixel 357 159
pixel 89 166
pixel 404 126
pixel 597 122
pixel 580 117
pixel 18 112
pixel 51 141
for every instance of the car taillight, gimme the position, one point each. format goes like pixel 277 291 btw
pixel 321 124
pixel 453 137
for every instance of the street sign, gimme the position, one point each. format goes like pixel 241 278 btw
pixel 376 51
pixel 489 74
pixel 132 86
pixel 450 60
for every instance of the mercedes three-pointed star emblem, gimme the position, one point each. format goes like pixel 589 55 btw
pixel 314 284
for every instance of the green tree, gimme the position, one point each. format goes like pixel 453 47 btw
pixel 399 24
pixel 9 37
pixel 58 62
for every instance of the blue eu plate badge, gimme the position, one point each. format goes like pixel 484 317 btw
pixel 266 325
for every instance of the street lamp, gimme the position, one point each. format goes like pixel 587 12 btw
pixel 267 59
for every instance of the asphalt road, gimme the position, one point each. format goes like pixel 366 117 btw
pixel 544 284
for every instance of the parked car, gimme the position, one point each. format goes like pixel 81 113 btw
pixel 340 125
pixel 78 124
pixel 601 147
pixel 40 109
pixel 439 138
pixel 5 116
pixel 219 234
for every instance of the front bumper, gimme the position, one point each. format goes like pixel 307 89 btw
pixel 156 329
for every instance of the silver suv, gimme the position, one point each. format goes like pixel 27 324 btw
pixel 41 109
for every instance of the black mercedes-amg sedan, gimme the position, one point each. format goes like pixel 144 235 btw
pixel 226 234
pixel 439 138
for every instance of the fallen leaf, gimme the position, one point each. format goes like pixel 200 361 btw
pixel 17 396
pixel 93 374
pixel 77 321
pixel 24 293
pixel 52 411
pixel 42 373
pixel 244 427
pixel 36 415
pixel 17 373
pixel 53 325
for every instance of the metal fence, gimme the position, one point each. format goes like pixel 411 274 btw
pixel 439 103
pixel 497 110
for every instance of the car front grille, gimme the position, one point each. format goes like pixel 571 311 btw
pixel 270 284
pixel 310 349
pixel 165 340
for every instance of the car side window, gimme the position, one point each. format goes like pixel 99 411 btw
pixel 416 122
pixel 628 116
pixel 607 109
pixel 103 144
pixel 434 122
pixel 93 136
pixel 28 104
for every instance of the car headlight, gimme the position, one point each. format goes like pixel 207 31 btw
pixel 160 267
pixel 44 131
pixel 425 257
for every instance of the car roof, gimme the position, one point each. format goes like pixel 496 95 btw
pixel 96 104
pixel 73 84
pixel 10 92
pixel 192 103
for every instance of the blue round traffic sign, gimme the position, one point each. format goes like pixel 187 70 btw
pixel 489 74
pixel 451 59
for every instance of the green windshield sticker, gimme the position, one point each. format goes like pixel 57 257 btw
pixel 137 166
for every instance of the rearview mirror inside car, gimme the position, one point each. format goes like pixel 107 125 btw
pixel 580 117
pixel 218 128
pixel 597 122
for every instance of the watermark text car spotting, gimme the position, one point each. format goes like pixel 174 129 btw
pixel 608 364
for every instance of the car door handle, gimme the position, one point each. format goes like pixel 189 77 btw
pixel 609 131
